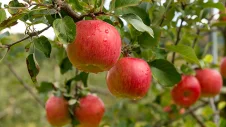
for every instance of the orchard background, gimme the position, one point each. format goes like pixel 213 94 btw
pixel 173 36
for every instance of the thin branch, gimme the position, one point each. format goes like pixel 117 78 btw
pixel 25 85
pixel 178 38
pixel 25 38
pixel 159 124
pixel 197 119
pixel 216 116
pixel 196 38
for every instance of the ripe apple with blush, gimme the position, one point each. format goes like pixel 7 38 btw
pixel 57 112
pixel 187 91
pixel 223 67
pixel 90 111
pixel 210 81
pixel 96 48
pixel 129 78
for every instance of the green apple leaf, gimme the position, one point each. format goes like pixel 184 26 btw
pixel 186 51
pixel 165 72
pixel 126 3
pixel 65 65
pixel 138 24
pixel 65 29
pixel 2 15
pixel 42 43
pixel 33 67
pixel 45 87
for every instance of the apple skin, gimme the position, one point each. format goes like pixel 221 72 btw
pixel 57 111
pixel 129 78
pixel 210 81
pixel 90 111
pixel 187 91
pixel 96 48
pixel 223 67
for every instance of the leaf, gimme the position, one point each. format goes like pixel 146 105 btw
pixel 221 105
pixel 186 51
pixel 145 41
pixel 15 3
pixel 65 65
pixel 2 15
pixel 42 43
pixel 65 29
pixel 126 3
pixel 134 10
pixel 210 124
pixel 165 72
pixel 45 87
pixel 223 122
pixel 219 23
pixel 72 101
pixel 83 76
pixel 138 24
pixel 33 67
pixel 11 21
pixel 211 4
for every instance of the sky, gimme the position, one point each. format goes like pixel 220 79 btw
pixel 20 27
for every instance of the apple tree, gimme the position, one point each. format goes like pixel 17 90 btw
pixel 113 63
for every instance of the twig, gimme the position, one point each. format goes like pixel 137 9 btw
pixel 159 124
pixel 25 38
pixel 25 85
pixel 197 119
pixel 216 116
pixel 196 38
pixel 178 38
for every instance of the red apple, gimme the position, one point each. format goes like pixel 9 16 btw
pixel 223 67
pixel 187 91
pixel 96 48
pixel 90 111
pixel 130 78
pixel 210 81
pixel 57 111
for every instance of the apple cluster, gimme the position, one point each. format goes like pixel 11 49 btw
pixel 206 83
pixel 97 48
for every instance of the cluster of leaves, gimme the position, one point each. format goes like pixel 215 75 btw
pixel 150 30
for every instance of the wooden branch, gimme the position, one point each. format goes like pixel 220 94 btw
pixel 25 38
pixel 25 86
pixel 197 119
pixel 178 38
pixel 216 117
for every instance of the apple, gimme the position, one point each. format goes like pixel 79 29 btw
pixel 90 111
pixel 96 48
pixel 57 111
pixel 223 67
pixel 187 91
pixel 129 78
pixel 210 81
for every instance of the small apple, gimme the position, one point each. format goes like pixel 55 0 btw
pixel 90 111
pixel 210 81
pixel 187 91
pixel 223 67
pixel 96 48
pixel 57 111
pixel 130 78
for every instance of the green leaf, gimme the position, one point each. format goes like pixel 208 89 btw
pixel 33 67
pixel 165 72
pixel 72 101
pixel 45 87
pixel 134 10
pixel 211 4
pixel 83 76
pixel 126 3
pixel 2 15
pixel 64 29
pixel 42 43
pixel 186 51
pixel 65 65
pixel 146 41
pixel 15 3
pixel 11 21
pixel 210 124
pixel 223 122
pixel 221 105
pixel 219 23
pixel 137 23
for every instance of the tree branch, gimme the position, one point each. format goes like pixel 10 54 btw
pixel 216 116
pixel 197 119
pixel 25 38
pixel 178 38
pixel 25 85
pixel 182 116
